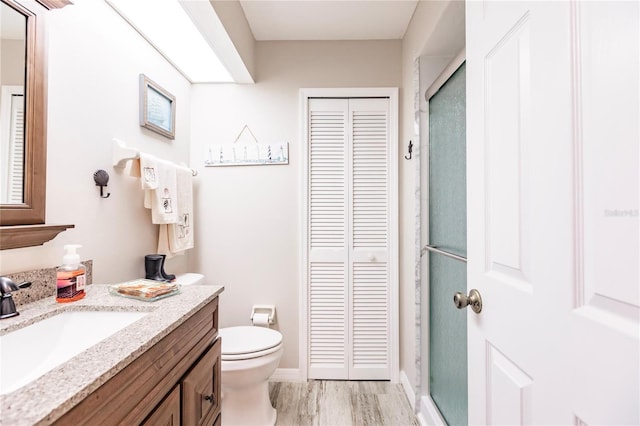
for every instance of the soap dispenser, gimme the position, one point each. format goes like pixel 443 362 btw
pixel 70 276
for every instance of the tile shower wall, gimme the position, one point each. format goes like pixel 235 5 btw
pixel 43 283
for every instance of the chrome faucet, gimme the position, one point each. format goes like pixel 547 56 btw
pixel 7 306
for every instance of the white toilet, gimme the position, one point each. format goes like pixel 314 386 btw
pixel 250 355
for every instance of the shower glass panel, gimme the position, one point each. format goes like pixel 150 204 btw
pixel 448 232
pixel 448 339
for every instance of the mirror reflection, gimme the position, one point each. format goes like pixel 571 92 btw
pixel 13 27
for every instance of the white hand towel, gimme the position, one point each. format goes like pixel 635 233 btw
pixel 163 242
pixel 148 198
pixel 148 171
pixel 134 170
pixel 177 237
pixel 164 198
pixel 181 233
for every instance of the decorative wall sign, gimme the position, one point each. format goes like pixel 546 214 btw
pixel 157 108
pixel 246 154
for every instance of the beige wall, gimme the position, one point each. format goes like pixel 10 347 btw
pixel 93 97
pixel 12 64
pixel 248 218
pixel 235 24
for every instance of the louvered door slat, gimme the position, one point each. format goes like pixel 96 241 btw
pixel 370 179
pixel 16 147
pixel 327 316
pixel 370 330
pixel 327 179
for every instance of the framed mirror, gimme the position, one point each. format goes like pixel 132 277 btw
pixel 23 123
pixel 23 118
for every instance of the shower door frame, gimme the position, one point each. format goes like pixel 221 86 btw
pixel 424 404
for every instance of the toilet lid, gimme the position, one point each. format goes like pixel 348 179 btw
pixel 248 339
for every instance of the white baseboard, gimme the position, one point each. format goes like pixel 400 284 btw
pixel 408 390
pixel 422 420
pixel 286 375
pixel 429 413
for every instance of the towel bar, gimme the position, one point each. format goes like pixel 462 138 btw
pixel 122 153
pixel 434 249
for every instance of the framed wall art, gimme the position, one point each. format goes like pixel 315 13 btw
pixel 157 108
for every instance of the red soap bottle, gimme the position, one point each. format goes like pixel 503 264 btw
pixel 70 276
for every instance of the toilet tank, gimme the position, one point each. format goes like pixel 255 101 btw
pixel 189 279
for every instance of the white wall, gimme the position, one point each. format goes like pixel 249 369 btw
pixel 94 61
pixel 247 221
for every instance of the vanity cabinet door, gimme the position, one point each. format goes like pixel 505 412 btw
pixel 201 389
pixel 168 412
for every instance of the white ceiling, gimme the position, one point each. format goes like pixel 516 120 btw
pixel 328 19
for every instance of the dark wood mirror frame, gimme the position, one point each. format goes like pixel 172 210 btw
pixel 23 224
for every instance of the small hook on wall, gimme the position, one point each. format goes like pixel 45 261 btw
pixel 101 178
pixel 410 151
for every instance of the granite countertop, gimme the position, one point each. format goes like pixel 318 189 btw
pixel 46 399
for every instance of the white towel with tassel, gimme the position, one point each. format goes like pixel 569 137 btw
pixel 175 238
pixel 164 198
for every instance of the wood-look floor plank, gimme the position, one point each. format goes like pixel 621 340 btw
pixel 340 403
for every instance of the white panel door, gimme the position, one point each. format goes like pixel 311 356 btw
pixel 348 227
pixel 552 185
pixel 605 321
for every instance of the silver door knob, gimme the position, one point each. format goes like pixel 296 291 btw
pixel 473 299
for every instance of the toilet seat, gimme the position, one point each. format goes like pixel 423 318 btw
pixel 247 342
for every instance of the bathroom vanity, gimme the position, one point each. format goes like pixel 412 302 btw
pixel 161 369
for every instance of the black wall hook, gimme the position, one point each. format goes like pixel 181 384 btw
pixel 101 178
pixel 410 150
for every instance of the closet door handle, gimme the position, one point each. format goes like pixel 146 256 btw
pixel 372 257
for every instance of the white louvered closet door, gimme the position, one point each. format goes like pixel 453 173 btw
pixel 348 283
pixel 328 254
pixel 369 239
pixel 16 150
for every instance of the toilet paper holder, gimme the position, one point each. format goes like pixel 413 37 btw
pixel 264 309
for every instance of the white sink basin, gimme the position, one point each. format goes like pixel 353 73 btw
pixel 30 352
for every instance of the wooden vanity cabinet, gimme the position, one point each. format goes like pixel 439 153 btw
pixel 168 412
pixel 176 381
pixel 199 393
pixel 201 389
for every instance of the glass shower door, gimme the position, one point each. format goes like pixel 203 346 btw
pixel 448 249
